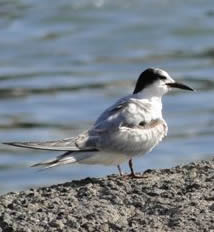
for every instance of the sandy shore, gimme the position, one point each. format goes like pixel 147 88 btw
pixel 176 199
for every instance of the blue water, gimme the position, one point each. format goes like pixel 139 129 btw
pixel 63 62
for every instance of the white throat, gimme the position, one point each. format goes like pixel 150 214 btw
pixel 150 95
pixel 153 98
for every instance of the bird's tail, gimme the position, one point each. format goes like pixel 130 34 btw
pixel 66 158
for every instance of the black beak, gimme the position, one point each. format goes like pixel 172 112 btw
pixel 179 86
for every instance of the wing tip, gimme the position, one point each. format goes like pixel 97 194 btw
pixel 35 165
pixel 10 143
pixel 7 143
pixel 16 144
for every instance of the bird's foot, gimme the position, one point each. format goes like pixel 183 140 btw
pixel 134 176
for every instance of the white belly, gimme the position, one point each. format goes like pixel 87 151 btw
pixel 106 158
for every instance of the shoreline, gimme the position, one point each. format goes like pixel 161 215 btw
pixel 175 199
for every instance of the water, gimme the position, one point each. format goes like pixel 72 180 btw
pixel 63 62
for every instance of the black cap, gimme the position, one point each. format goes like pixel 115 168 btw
pixel 148 77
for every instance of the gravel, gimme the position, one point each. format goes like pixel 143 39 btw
pixel 176 199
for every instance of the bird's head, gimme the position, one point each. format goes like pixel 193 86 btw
pixel 157 82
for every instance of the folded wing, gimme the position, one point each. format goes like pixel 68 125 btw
pixel 83 142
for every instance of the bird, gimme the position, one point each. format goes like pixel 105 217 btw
pixel 131 127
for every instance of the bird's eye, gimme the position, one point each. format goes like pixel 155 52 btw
pixel 162 78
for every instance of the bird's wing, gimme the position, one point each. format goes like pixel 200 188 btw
pixel 130 112
pixel 126 112
pixel 83 142
pixel 130 127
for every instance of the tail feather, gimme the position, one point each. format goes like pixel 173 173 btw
pixel 66 158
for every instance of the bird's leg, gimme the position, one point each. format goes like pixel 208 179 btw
pixel 132 174
pixel 119 169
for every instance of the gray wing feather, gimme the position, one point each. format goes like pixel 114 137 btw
pixel 83 142
pixel 122 113
pixel 59 145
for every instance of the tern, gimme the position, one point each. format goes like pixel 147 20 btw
pixel 132 126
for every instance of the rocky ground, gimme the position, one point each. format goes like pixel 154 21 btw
pixel 177 199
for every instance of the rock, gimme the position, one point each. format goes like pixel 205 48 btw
pixel 176 199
